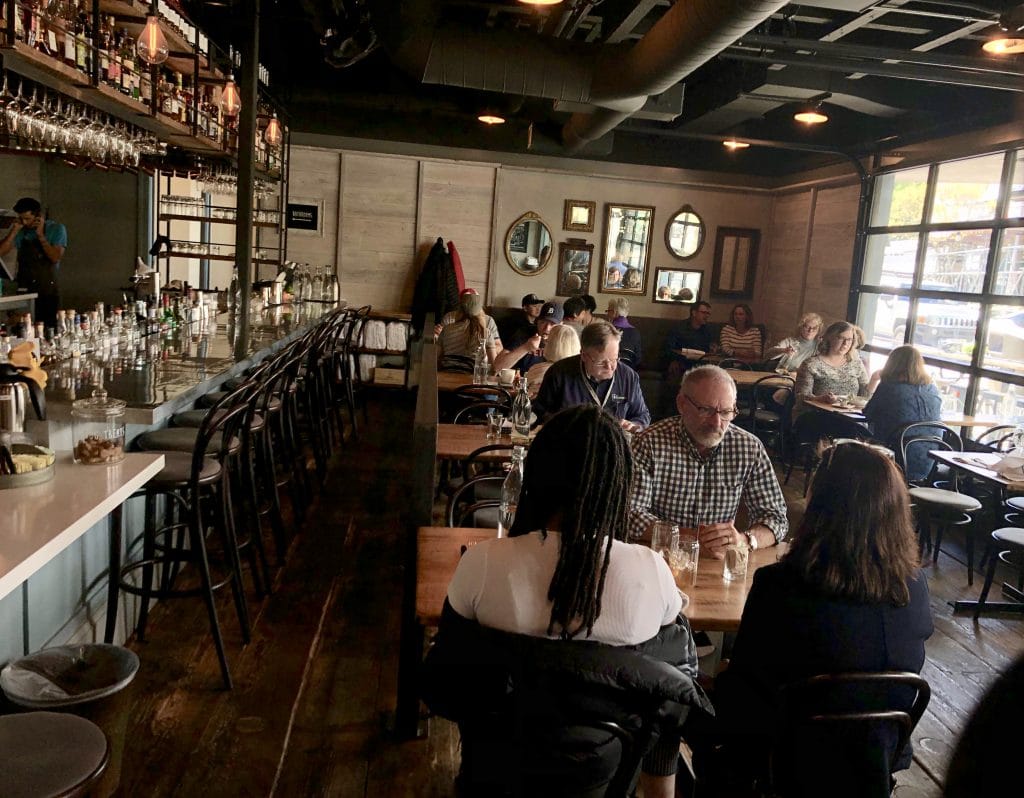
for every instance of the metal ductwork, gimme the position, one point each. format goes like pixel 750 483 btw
pixel 617 79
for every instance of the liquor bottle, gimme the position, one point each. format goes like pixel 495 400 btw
pixel 129 77
pixel 510 490
pixel 83 40
pixel 70 21
pixel 30 12
pixel 521 412
pixel 213 107
pixel 103 45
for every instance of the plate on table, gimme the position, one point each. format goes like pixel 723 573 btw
pixel 691 354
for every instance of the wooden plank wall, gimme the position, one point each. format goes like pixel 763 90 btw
pixel 456 202
pixel 808 256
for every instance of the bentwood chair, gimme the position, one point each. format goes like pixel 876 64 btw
pixel 476 500
pixel 845 733
pixel 767 417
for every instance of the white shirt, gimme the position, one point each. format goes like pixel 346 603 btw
pixel 503 583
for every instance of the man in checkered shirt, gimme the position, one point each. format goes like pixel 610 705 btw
pixel 693 470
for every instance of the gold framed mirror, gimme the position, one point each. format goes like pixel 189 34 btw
pixel 685 233
pixel 627 249
pixel 528 244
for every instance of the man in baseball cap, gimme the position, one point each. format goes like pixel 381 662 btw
pixel 531 350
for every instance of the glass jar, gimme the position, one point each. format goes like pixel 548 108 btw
pixel 98 429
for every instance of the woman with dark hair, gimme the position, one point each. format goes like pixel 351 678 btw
pixel 835 371
pixel 848 596
pixel 740 338
pixel 905 394
pixel 463 331
pixel 566 570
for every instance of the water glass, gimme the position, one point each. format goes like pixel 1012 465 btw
pixel 735 565
pixel 664 537
pixel 683 559
pixel 495 420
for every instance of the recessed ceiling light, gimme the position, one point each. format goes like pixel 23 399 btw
pixel 1004 46
pixel 540 2
pixel 732 144
pixel 491 119
pixel 811 116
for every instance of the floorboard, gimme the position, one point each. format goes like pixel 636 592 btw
pixel 315 689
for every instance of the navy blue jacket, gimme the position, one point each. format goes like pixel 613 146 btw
pixel 564 387
pixel 896 404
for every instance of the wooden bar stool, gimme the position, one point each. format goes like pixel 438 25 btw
pixel 50 754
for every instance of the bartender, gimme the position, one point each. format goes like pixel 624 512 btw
pixel 40 243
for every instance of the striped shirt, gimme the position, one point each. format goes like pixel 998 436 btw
pixel 459 339
pixel 732 340
pixel 673 482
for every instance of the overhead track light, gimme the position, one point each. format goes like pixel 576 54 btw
pixel 811 113
pixel 491 119
pixel 1011 22
pixel 733 144
pixel 540 2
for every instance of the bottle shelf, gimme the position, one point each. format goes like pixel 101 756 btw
pixel 168 217
pixel 198 256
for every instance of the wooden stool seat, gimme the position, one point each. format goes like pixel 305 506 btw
pixel 1007 541
pixel 48 754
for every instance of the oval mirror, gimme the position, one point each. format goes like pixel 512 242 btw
pixel 528 244
pixel 684 234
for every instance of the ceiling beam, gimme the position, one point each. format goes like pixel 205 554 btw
pixel 625 29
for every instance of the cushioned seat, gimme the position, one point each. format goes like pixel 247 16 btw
pixel 211 398
pixel 180 439
pixel 178 469
pixel 1016 502
pixel 946 499
pixel 193 418
pixel 50 753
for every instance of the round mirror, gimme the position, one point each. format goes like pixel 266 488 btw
pixel 684 235
pixel 528 244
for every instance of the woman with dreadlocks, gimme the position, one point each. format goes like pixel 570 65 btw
pixel 566 571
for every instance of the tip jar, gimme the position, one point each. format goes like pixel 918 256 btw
pixel 98 429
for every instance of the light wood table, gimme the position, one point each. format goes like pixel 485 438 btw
pixel 450 381
pixel 847 411
pixel 459 441
pixel 715 604
pixel 745 379
pixel 40 521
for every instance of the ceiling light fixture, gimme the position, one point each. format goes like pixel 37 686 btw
pixel 272 135
pixel 152 44
pixel 491 119
pixel 733 144
pixel 540 2
pixel 230 101
pixel 1011 22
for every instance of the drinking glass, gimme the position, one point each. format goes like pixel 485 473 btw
pixel 495 421
pixel 664 536
pixel 683 559
pixel 734 566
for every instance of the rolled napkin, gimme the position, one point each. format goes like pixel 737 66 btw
pixel 23 356
pixel 1011 466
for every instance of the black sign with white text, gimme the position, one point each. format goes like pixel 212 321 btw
pixel 303 217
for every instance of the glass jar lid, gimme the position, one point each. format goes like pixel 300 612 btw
pixel 99 405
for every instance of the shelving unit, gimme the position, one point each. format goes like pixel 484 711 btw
pixel 400 355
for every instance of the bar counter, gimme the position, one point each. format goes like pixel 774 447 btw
pixel 166 372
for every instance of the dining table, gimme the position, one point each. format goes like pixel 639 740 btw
pixel 459 441
pixel 714 604
pixel 745 378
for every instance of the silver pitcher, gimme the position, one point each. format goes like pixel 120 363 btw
pixel 17 391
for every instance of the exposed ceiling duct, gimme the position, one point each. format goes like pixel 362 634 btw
pixel 616 79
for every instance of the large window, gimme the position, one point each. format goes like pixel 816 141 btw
pixel 943 269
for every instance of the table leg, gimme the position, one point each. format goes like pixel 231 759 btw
pixel 1014 606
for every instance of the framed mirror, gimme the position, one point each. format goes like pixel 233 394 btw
pixel 579 216
pixel 627 249
pixel 677 286
pixel 735 261
pixel 684 233
pixel 528 244
pixel 575 257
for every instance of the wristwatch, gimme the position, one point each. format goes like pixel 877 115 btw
pixel 751 539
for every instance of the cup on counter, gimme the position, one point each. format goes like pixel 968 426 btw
pixel 506 376
pixel 664 537
pixel 495 420
pixel 734 567
pixel 683 559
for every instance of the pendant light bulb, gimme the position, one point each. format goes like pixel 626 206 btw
pixel 230 101
pixel 272 135
pixel 152 44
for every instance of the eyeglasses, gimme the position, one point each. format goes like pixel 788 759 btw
pixel 605 364
pixel 726 414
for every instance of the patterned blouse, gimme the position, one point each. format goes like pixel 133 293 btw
pixel 816 377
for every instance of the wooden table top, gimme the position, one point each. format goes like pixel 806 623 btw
pixel 715 605
pixel 949 419
pixel 976 464
pixel 744 378
pixel 459 441
pixel 849 412
pixel 450 381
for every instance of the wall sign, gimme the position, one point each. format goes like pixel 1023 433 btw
pixel 302 216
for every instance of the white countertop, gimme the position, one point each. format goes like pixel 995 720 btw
pixel 15 299
pixel 38 522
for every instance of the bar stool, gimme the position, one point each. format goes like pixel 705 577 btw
pixel 1007 542
pixel 50 754
pixel 196 483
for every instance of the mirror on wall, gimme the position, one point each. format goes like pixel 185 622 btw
pixel 627 248
pixel 684 233
pixel 528 244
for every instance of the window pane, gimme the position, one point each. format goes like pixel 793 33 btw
pixel 889 259
pixel 946 328
pixel 877 314
pixel 952 387
pixel 967 190
pixel 1010 263
pixel 1000 400
pixel 1004 347
pixel 1016 206
pixel 899 198
pixel 955 260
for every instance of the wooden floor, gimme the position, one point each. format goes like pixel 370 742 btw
pixel 314 690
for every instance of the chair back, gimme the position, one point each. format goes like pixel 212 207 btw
pixel 919 438
pixel 734 363
pixel 994 439
pixel 473 495
pixel 476 413
pixel 224 419
pixel 845 733
pixel 485 393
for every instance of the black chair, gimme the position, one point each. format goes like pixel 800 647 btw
pixel 766 417
pixel 540 717
pixel 473 496
pixel 484 393
pixel 994 439
pixel 734 363
pixel 937 500
pixel 476 413
pixel 1007 546
pixel 809 430
pixel 845 733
